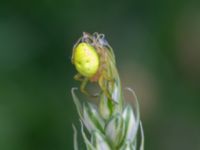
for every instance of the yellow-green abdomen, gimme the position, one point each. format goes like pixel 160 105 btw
pixel 86 59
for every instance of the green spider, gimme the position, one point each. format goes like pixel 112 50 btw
pixel 95 62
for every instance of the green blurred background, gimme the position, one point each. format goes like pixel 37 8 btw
pixel 157 46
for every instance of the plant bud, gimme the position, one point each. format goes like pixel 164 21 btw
pixel 115 130
pixel 91 118
pixel 99 141
pixel 131 124
pixel 105 107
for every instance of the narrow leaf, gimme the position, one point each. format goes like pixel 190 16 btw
pixel 131 119
pixel 76 101
pixel 142 137
pixel 75 138
pixel 87 142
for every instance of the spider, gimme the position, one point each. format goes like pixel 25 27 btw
pixel 94 60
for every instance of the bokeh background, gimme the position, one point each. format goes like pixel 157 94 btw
pixel 157 46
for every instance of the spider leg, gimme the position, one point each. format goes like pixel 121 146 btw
pixel 103 83
pixel 84 81
pixel 78 77
pixel 83 86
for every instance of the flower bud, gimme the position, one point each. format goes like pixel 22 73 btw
pixel 99 141
pixel 105 107
pixel 115 130
pixel 131 123
pixel 91 118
